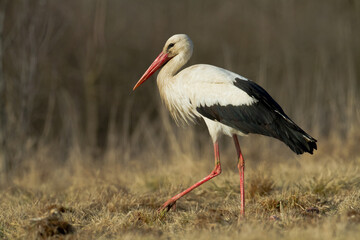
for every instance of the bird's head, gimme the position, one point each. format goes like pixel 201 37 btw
pixel 179 45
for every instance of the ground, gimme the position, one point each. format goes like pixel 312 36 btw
pixel 295 197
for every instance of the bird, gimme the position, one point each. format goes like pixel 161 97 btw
pixel 229 104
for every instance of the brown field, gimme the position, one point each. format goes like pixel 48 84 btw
pixel 81 157
pixel 315 197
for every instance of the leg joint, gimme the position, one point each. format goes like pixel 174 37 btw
pixel 217 170
pixel 241 165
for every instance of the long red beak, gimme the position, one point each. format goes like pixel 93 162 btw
pixel 158 63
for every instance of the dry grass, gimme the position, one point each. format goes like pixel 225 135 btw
pixel 314 197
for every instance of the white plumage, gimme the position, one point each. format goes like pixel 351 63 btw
pixel 200 85
pixel 229 104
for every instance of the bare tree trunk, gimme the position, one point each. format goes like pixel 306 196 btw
pixel 3 156
pixel 93 68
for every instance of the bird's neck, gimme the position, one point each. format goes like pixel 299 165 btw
pixel 172 67
pixel 168 83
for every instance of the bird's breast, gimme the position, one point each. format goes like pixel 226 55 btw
pixel 177 98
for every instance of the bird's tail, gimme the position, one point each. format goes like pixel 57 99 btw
pixel 296 138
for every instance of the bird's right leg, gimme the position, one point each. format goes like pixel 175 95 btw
pixel 217 170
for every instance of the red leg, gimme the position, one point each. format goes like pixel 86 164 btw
pixel 241 167
pixel 217 170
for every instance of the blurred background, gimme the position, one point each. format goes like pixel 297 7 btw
pixel 67 69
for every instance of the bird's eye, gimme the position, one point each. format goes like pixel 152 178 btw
pixel 170 45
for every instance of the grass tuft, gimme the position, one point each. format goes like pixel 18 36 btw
pixel 294 199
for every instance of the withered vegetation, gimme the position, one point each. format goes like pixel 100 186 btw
pixel 311 195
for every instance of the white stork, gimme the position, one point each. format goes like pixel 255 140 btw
pixel 229 104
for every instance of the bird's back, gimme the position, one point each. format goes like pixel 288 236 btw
pixel 262 116
pixel 230 99
pixel 196 85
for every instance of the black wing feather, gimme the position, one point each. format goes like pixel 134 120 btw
pixel 264 117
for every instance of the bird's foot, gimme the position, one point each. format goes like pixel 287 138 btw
pixel 169 204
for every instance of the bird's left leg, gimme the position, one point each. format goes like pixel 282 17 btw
pixel 241 167
pixel 217 170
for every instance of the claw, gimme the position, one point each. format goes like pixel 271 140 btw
pixel 170 204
